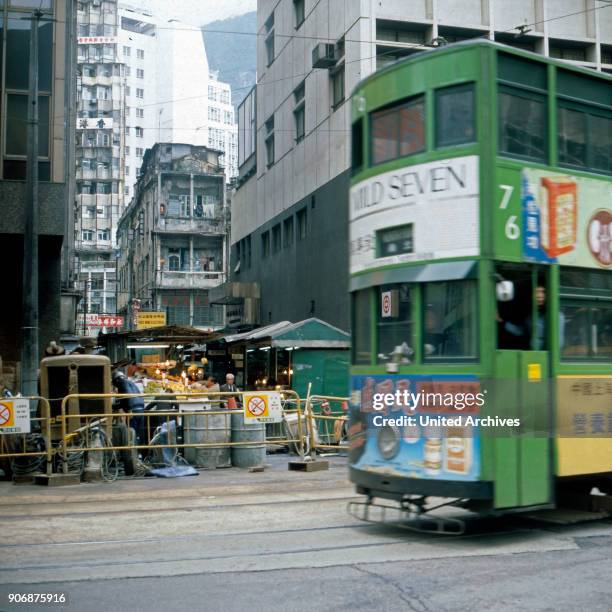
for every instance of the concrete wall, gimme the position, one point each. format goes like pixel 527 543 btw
pixel 313 269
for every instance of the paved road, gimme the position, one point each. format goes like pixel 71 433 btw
pixel 231 540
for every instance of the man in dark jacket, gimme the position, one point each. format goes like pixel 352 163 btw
pixel 229 386
pixel 130 404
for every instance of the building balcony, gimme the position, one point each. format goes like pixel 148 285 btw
pixel 170 279
pixel 190 225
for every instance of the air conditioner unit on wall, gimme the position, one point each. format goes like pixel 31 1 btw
pixel 324 55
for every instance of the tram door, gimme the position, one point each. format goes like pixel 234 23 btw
pixel 522 455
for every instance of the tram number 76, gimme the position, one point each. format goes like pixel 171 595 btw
pixel 512 230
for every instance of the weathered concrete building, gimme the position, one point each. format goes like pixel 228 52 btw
pixel 173 237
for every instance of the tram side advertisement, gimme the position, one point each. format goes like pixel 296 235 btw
pixel 552 217
pixel 418 433
pixel 411 214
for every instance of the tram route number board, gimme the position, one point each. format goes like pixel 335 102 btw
pixel 263 407
pixel 14 416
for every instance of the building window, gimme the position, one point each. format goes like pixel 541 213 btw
pixel 214 113
pixel 398 131
pixel 357 146
pixel 394 324
pixel 522 124
pixel 127 51
pixel 270 141
pixel 140 113
pixel 127 150
pixel 269 27
pixel 276 238
pixel 455 116
pixel 126 190
pixel 127 171
pixel 288 232
pixel 299 12
pixel 139 132
pixel 575 54
pixel 247 243
pixel 139 93
pixel 265 244
pixel 88 235
pixel 139 152
pixel 299 114
pixel 337 86
pixel 104 234
pixel 140 53
pixel 128 71
pixel 139 73
pixel 128 91
pixel 302 223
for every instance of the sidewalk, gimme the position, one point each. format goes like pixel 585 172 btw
pixel 208 483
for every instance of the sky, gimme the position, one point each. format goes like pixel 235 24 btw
pixel 197 12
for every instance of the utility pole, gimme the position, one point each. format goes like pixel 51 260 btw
pixel 29 332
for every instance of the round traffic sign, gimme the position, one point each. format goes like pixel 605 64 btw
pixel 5 414
pixel 256 406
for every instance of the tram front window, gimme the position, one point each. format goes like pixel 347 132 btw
pixel 449 320
pixel 394 326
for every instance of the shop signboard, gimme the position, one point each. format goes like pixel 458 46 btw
pixel 146 320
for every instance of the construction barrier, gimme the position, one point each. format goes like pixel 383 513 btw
pixel 327 417
pixel 105 439
pixel 32 451
pixel 93 432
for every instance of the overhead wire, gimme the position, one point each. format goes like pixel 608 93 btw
pixel 485 36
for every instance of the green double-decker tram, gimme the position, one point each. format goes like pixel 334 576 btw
pixel 481 279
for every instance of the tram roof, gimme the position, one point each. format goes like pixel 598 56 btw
pixel 479 42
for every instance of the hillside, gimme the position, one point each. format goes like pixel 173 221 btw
pixel 233 55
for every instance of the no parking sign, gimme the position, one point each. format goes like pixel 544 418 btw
pixel 263 407
pixel 14 416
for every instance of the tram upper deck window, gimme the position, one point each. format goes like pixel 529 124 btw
pixel 455 115
pixel 394 325
pixel 522 124
pixel 449 321
pixel 584 137
pixel 398 130
pixel 361 311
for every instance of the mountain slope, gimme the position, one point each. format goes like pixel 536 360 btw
pixel 234 55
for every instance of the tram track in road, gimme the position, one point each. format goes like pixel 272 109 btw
pixel 182 508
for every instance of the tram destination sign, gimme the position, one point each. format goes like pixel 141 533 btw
pixel 434 207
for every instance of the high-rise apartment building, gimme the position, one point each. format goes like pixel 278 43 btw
pixel 56 32
pixel 100 155
pixel 142 81
pixel 290 210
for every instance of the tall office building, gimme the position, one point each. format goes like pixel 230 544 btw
pixel 290 210
pixel 55 149
pixel 141 81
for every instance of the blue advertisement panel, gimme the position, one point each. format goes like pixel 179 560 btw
pixel 423 436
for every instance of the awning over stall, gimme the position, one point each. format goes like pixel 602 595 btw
pixel 310 333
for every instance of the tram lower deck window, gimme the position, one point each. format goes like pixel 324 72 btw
pixel 394 326
pixel 450 320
